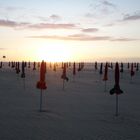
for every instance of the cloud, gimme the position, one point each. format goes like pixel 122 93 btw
pixel 128 17
pixel 100 9
pixel 89 30
pixel 11 8
pixel 7 23
pixel 51 18
pixel 41 18
pixel 109 25
pixel 55 17
pixel 109 4
pixel 2 48
pixel 89 15
pixel 124 39
pixel 107 7
pixel 52 26
pixel 74 37
pixel 83 37
pixel 13 24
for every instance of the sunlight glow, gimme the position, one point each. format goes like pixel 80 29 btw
pixel 54 52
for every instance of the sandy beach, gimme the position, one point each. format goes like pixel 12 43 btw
pixel 82 111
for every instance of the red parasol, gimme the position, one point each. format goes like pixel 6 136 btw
pixel 121 67
pixel 106 73
pixel 23 69
pixel 128 65
pixel 23 64
pixel 96 67
pixel 1 64
pixel 79 68
pixel 116 88
pixel 17 67
pixel 74 69
pixel 38 65
pixel 9 63
pixel 29 64
pixel 54 67
pixel 42 84
pixel 64 77
pixel 101 69
pixel 132 70
pixel 137 68
pixel 34 66
pixel 111 65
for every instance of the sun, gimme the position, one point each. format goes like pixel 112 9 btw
pixel 54 53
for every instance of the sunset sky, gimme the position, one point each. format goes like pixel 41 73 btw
pixel 70 30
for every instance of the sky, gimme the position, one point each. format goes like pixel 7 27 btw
pixel 70 30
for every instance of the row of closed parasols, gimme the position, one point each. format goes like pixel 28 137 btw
pixel 41 84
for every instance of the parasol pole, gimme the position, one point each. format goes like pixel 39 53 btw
pixel 117 104
pixel 24 83
pixel 105 87
pixel 40 100
pixel 63 84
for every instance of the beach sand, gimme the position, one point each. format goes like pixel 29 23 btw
pixel 82 111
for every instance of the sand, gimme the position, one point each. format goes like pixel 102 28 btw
pixel 82 111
